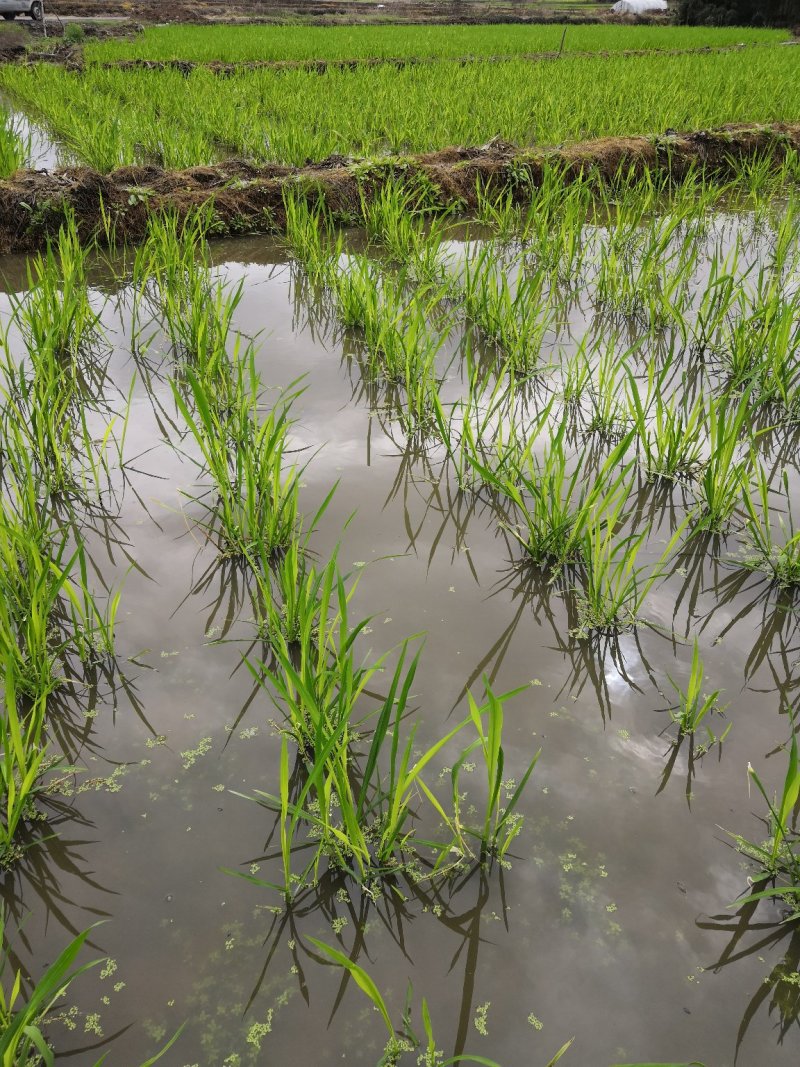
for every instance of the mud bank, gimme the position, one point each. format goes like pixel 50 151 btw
pixel 322 66
pixel 72 58
pixel 249 199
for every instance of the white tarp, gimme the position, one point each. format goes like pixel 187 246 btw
pixel 638 7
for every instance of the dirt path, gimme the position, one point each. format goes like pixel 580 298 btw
pixel 320 66
pixel 247 198
pixel 329 11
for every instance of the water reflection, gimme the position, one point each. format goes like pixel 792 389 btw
pixel 779 990
pixel 460 573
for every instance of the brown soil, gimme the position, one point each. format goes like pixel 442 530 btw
pixel 321 66
pixel 246 198
pixel 322 11
pixel 14 43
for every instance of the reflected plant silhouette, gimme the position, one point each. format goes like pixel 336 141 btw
pixel 778 856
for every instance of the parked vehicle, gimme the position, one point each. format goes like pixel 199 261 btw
pixel 9 9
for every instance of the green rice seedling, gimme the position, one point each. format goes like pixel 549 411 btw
pixel 172 278
pixel 425 264
pixel 22 1040
pixel 21 1037
pixel 15 149
pixel 498 210
pixel 289 588
pixel 785 257
pixel 614 588
pixel 555 499
pixel 717 301
pixel 46 611
pixel 761 346
pixel 755 182
pixel 45 422
pixel 355 292
pixel 501 822
pixel 22 761
pixel 200 320
pixel 694 197
pixel 240 43
pixel 420 345
pixel 256 506
pixel 780 386
pixel 775 553
pixel 464 432
pixel 390 801
pixel 719 488
pixel 694 706
pixel 198 314
pixel 741 354
pixel 359 812
pixel 576 376
pixel 642 274
pixel 516 321
pixel 613 591
pixel 402 1040
pixel 173 249
pixel 319 685
pixel 397 334
pixel 416 405
pixel 92 631
pixel 316 655
pixel 396 216
pixel 296 595
pixel 402 348
pixel 361 820
pixel 116 117
pixel 41 417
pixel 388 214
pixel 608 417
pixel 779 855
pixel 650 258
pixel 553 231
pixel 616 273
pixel 385 308
pixel 56 311
pixel 776 353
pixel 309 235
pixel 33 572
pixel 670 437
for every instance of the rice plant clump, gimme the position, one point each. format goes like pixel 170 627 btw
pixel 778 855
pixel 774 552
pixel 255 507
pixel 14 146
pixel 56 313
pixel 719 488
pixel 694 705
pixel 614 585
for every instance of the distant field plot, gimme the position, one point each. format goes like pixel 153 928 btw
pixel 248 43
pixel 113 117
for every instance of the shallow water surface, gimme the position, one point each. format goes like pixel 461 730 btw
pixel 611 923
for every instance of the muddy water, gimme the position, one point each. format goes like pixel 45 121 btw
pixel 44 151
pixel 612 923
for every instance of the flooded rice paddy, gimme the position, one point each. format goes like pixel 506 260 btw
pixel 611 919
